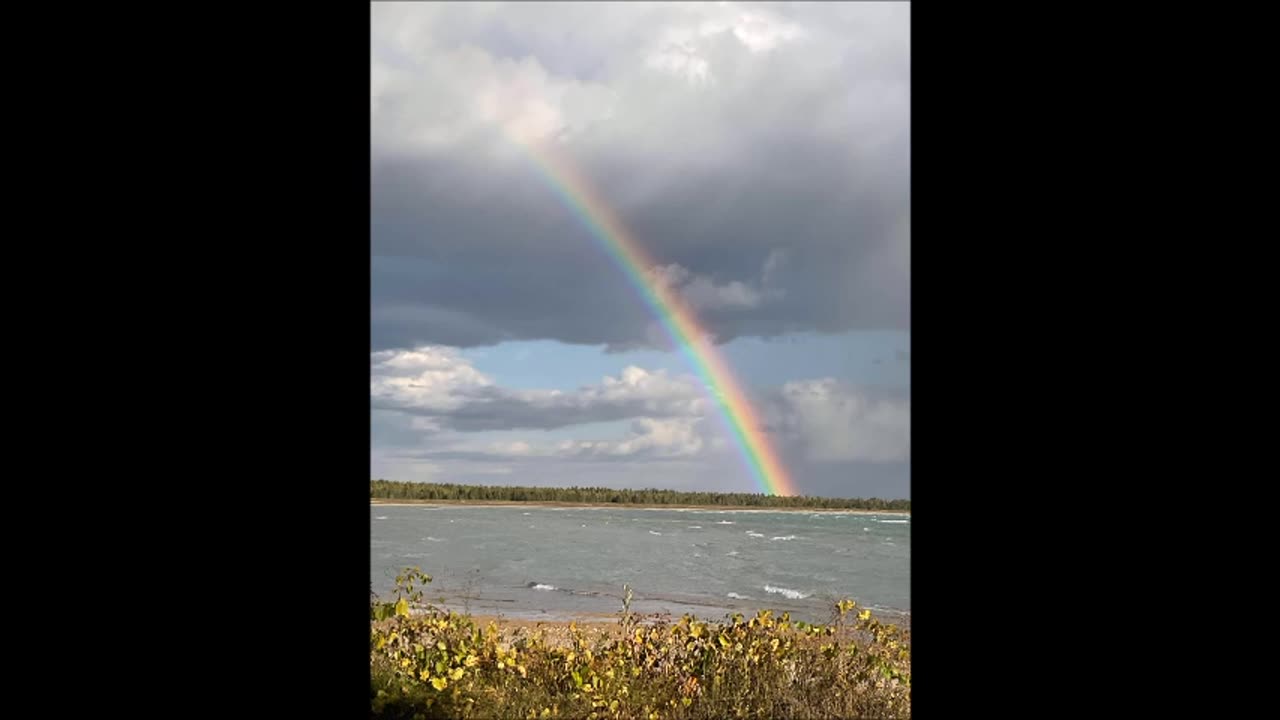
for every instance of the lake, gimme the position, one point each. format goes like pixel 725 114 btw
pixel 553 563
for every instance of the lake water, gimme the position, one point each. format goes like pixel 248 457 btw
pixel 542 562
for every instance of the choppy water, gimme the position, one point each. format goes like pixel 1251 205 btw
pixel 555 562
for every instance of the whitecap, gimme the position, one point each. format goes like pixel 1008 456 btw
pixel 754 534
pixel 736 596
pixel 695 527
pixel 786 592
pixel 381 517
pixel 541 586
pixel 725 522
pixel 783 537
pixel 653 532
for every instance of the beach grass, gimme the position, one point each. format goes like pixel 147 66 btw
pixel 431 663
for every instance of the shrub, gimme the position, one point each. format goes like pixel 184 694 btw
pixel 438 664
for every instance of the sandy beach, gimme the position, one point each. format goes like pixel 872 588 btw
pixel 557 628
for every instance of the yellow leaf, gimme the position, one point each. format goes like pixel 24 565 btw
pixel 456 674
pixel 439 683
pixel 402 607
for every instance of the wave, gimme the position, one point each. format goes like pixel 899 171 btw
pixel 695 527
pixel 526 513
pixel 541 586
pixel 654 532
pixel 731 553
pixel 381 517
pixel 866 529
pixel 783 537
pixel 736 596
pixel 752 533
pixel 725 522
pixel 786 592
pixel 896 522
pixel 434 539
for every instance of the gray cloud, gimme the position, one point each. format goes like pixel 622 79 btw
pixel 827 421
pixel 442 389
pixel 648 439
pixel 430 403
pixel 725 137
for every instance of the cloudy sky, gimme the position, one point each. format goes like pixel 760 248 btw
pixel 761 155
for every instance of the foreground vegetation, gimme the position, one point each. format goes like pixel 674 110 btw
pixel 438 664
pixel 390 490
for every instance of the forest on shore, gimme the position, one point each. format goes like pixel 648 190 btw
pixel 392 490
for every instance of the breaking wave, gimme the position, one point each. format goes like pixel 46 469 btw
pixel 786 592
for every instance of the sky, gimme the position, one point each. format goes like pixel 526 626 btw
pixel 758 153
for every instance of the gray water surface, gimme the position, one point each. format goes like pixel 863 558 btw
pixel 525 561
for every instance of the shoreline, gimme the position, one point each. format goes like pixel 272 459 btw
pixel 629 506
pixel 609 622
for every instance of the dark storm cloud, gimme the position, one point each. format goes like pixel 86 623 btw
pixel 721 136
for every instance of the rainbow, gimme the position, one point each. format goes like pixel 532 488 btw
pixel 675 316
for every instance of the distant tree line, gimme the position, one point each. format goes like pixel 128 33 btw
pixel 391 490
